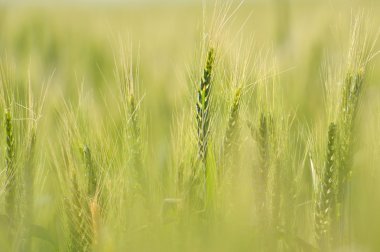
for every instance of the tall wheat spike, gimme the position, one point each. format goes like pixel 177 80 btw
pixel 130 100
pixel 203 106
pixel 74 185
pixel 350 98
pixel 326 193
pixel 233 121
pixel 263 145
pixel 11 184
pixel 359 55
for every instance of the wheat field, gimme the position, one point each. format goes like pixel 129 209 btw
pixel 190 125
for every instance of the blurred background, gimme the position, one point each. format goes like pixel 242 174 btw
pixel 77 39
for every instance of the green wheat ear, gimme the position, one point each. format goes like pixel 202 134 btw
pixel 350 100
pixel 233 120
pixel 131 109
pixel 326 195
pixel 11 184
pixel 91 172
pixel 203 106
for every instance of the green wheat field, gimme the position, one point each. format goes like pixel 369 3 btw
pixel 190 125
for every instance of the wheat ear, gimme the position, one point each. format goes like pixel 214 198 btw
pixel 203 106
pixel 11 185
pixel 326 195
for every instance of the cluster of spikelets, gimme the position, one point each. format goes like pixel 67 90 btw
pixel 99 189
pixel 333 189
